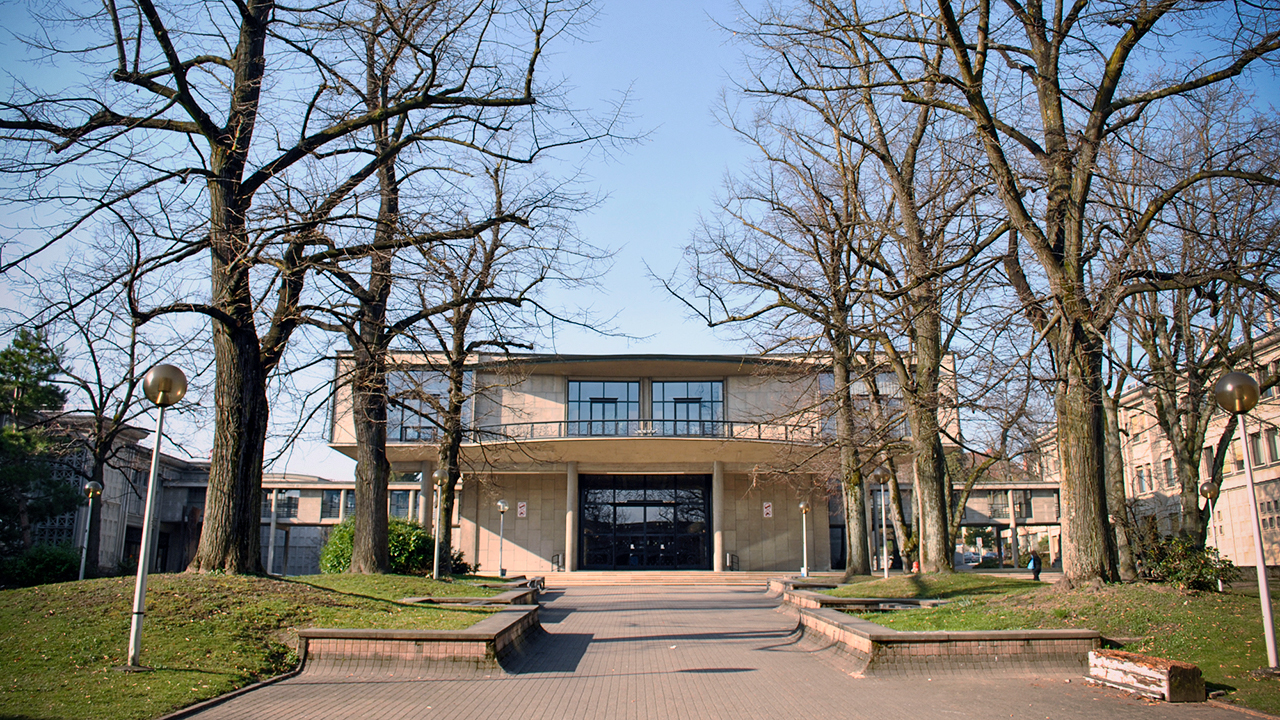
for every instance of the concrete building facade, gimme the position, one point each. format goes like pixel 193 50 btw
pixel 626 462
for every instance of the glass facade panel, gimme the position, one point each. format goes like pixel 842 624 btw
pixel 688 408
pixel 412 394
pixel 645 521
pixel 330 504
pixel 400 503
pixel 599 407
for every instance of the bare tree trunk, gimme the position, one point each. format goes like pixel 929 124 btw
pixel 900 534
pixel 1086 554
pixel 851 478
pixel 229 540
pixel 930 481
pixel 1117 503
pixel 369 551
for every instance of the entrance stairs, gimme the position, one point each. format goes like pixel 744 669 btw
pixel 673 577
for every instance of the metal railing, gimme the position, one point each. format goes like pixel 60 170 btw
pixel 727 429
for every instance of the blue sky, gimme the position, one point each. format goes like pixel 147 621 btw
pixel 675 62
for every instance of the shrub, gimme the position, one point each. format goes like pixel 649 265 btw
pixel 461 566
pixel 1178 560
pixel 40 565
pixel 409 548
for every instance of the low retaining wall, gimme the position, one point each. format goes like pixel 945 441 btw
pixel 518 596
pixel 881 651
pixel 481 646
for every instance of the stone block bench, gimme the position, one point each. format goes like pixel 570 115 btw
pixel 1170 680
pixel 482 646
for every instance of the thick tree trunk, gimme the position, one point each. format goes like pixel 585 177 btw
pixel 931 480
pixel 1117 506
pixel 229 540
pixel 851 478
pixel 1086 551
pixel 369 551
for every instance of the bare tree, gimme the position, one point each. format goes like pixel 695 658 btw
pixel 242 98
pixel 880 195
pixel 1189 336
pixel 103 358
pixel 1046 89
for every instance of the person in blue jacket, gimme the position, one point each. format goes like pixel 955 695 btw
pixel 1035 566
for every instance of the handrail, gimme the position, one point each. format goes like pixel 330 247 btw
pixel 726 429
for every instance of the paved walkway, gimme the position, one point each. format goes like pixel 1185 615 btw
pixel 668 652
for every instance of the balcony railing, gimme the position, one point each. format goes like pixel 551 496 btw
pixel 727 429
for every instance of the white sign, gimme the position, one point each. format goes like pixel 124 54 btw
pixel 522 509
pixel 768 509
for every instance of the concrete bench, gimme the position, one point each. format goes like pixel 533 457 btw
pixel 1170 680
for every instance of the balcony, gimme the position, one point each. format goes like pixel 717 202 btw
pixel 576 429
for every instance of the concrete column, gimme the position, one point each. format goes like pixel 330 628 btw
pixel 1013 531
pixel 717 516
pixel 271 544
pixel 571 519
pixel 342 505
pixel 425 488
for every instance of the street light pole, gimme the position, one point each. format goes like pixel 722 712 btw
pixel 1237 393
pixel 439 478
pixel 92 490
pixel 163 385
pixel 804 525
pixel 1209 491
pixel 882 478
pixel 502 519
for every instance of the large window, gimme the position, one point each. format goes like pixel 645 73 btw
pixel 331 504
pixel 637 522
pixel 603 407
pixel 413 394
pixel 688 408
pixel 286 504
pixel 400 503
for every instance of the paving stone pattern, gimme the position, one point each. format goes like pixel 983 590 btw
pixel 671 652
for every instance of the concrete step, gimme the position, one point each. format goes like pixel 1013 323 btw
pixel 671 577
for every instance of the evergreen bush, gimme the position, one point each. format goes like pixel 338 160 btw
pixel 409 548
pixel 40 565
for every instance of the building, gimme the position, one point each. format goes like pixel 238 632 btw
pixel 606 463
pixel 123 503
pixel 625 462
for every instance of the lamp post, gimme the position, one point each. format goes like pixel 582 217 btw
pixel 439 478
pixel 804 529
pixel 163 385
pixel 1237 393
pixel 92 490
pixel 1209 491
pixel 502 519
pixel 881 477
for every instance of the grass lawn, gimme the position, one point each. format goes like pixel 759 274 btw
pixel 1221 633
pixel 204 635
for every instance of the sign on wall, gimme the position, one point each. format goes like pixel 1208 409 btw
pixel 768 509
pixel 522 509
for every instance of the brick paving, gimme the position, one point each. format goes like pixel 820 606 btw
pixel 676 652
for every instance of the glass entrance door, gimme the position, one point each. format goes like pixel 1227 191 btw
pixel 645 522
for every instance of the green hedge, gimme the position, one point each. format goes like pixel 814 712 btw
pixel 40 565
pixel 409 547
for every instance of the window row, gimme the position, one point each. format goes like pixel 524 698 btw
pixel 676 408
